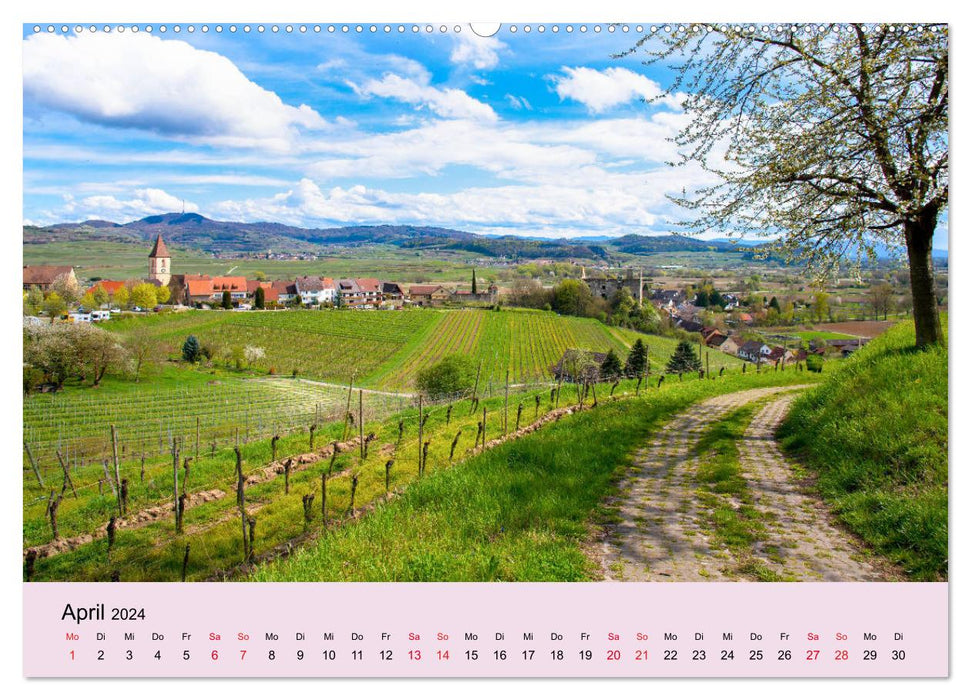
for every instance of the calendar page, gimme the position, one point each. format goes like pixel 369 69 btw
pixel 463 350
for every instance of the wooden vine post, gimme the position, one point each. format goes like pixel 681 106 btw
pixel 175 485
pixel 387 476
pixel 360 419
pixel 323 498
pixel 455 442
pixel 67 474
pixel 241 500
pixel 273 441
pixel 475 390
pixel 421 425
pixel 197 436
pixel 114 459
pixel 519 413
pixel 347 408
pixel 33 465
pixel 484 427
pixel 505 407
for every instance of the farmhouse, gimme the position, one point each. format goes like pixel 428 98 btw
pixel 370 292
pixel 714 338
pixel 392 294
pixel 43 276
pixel 316 290
pixel 286 290
pixel 203 289
pixel 754 351
pixel 731 345
pixel 428 294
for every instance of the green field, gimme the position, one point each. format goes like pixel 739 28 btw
pixel 385 349
pixel 874 437
pixel 115 260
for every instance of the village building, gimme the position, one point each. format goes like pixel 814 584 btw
pixel 605 286
pixel 314 291
pixel 392 294
pixel 754 351
pixel 270 293
pixel 109 286
pixel 203 289
pixel 349 295
pixel 714 338
pixel 43 276
pixel 369 290
pixel 667 299
pixel 285 290
pixel 428 294
pixel 731 345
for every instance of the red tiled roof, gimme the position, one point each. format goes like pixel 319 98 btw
pixel 424 289
pixel 110 286
pixel 159 250
pixel 369 284
pixel 44 274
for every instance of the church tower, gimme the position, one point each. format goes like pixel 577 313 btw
pixel 160 262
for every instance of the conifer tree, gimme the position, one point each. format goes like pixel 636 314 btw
pixel 684 359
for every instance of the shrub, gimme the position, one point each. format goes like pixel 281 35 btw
pixel 814 363
pixel 452 375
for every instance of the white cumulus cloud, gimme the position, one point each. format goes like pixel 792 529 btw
pixel 449 103
pixel 163 86
pixel 480 52
pixel 600 90
pixel 142 202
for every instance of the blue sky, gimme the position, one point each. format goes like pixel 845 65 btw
pixel 525 133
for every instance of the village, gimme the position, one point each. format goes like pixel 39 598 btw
pixel 55 291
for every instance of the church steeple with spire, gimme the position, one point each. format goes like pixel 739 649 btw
pixel 160 262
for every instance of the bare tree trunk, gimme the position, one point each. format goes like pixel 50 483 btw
pixel 919 235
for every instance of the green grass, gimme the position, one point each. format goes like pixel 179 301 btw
pixel 874 435
pixel 116 260
pixel 520 512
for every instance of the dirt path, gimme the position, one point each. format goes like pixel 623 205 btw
pixel 663 531
pixel 801 539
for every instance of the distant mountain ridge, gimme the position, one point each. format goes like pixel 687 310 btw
pixel 191 230
pixel 212 236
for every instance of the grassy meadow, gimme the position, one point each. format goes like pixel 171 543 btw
pixel 874 438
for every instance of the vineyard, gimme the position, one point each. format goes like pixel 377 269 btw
pixel 215 414
pixel 254 501
pixel 385 349
pixel 375 457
